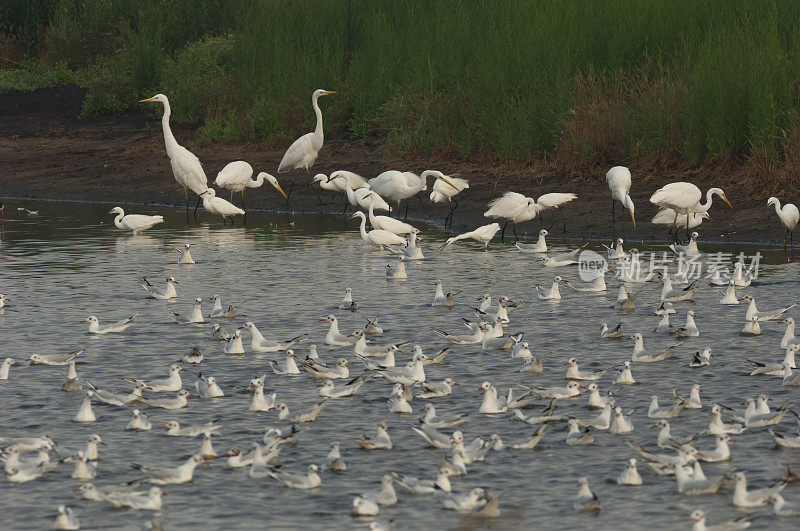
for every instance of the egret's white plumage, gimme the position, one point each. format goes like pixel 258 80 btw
pixel 219 206
pixel 236 176
pixel 788 214
pixel 303 151
pixel 483 234
pixel 619 182
pixel 134 222
pixel 185 165
pixel 377 237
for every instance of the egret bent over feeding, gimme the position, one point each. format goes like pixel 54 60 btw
pixel 444 192
pixel 185 165
pixel 303 151
pixel 236 176
pixel 684 198
pixel 619 182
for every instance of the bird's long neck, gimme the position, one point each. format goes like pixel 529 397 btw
pixel 169 139
pixel 372 219
pixel 257 337
pixel 709 200
pixel 118 219
pixel 319 138
pixel 257 182
pixel 777 205
pixel 363 226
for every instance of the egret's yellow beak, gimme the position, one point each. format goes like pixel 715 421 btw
pixel 726 200
pixel 634 220
pixel 445 179
pixel 148 99
pixel 329 92
pixel 278 186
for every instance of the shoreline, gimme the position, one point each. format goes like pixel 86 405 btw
pixel 52 154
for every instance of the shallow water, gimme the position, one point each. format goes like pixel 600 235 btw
pixel 285 274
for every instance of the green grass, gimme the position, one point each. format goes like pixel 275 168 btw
pixel 588 82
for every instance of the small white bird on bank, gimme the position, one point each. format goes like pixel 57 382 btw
pixel 134 222
pixel 789 216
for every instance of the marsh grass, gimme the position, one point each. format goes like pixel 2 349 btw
pixel 582 83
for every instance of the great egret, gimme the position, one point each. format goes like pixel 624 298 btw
pixel 482 234
pixel 788 214
pixel 552 201
pixel 619 182
pixel 684 198
pixel 513 207
pixel 219 206
pixel 395 226
pixel 303 151
pixel 666 216
pixel 377 237
pixel 336 182
pixel 360 197
pixel 236 176
pixel 395 185
pixel 134 222
pixel 444 192
pixel 185 165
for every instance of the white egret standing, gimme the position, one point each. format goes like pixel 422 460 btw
pixel 334 184
pixel 377 237
pixel 303 151
pixel 134 222
pixel 684 198
pixel 395 226
pixel 236 176
pixel 513 207
pixel 788 214
pixel 483 234
pixel 360 197
pixel 396 186
pixel 443 192
pixel 619 182
pixel 185 165
pixel 219 206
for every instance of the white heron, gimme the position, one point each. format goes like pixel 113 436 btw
pixel 303 151
pixel 395 226
pixel 236 176
pixel 360 197
pixel 513 207
pixel 666 216
pixel 684 198
pixel 443 192
pixel 482 234
pixel 788 214
pixel 219 206
pixel 335 184
pixel 377 237
pixel 552 201
pixel 185 165
pixel 134 222
pixel 396 186
pixel 619 182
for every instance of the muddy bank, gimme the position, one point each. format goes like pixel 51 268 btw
pixel 48 152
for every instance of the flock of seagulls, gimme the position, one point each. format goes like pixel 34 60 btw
pixel 352 363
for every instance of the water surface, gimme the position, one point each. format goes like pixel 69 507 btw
pixel 284 273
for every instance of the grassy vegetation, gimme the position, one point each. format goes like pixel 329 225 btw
pixel 582 82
